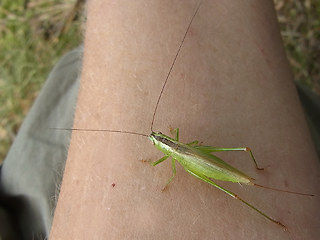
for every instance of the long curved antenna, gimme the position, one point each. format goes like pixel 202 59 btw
pixel 100 130
pixel 174 61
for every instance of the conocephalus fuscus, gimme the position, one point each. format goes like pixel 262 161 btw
pixel 192 153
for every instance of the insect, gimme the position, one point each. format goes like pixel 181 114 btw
pixel 196 159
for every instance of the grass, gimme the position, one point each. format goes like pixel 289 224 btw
pixel 32 41
pixel 300 29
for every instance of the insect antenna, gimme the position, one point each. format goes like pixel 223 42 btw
pixel 161 92
pixel 101 130
pixel 172 65
pixel 281 190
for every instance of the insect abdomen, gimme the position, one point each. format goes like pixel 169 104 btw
pixel 203 165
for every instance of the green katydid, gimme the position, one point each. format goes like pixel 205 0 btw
pixel 196 159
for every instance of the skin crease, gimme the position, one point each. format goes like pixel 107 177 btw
pixel 230 87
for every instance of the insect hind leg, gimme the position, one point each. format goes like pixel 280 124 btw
pixel 210 149
pixel 235 196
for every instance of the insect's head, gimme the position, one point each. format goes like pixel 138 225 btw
pixel 155 137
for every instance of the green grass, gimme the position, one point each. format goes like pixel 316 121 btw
pixel 31 45
pixel 300 30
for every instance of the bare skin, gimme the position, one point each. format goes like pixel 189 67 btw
pixel 231 86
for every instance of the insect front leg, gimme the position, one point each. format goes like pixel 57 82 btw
pixel 196 142
pixel 176 132
pixel 210 149
pixel 173 163
pixel 173 169
pixel 159 161
pixel 156 162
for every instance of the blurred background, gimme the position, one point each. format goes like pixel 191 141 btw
pixel 34 34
